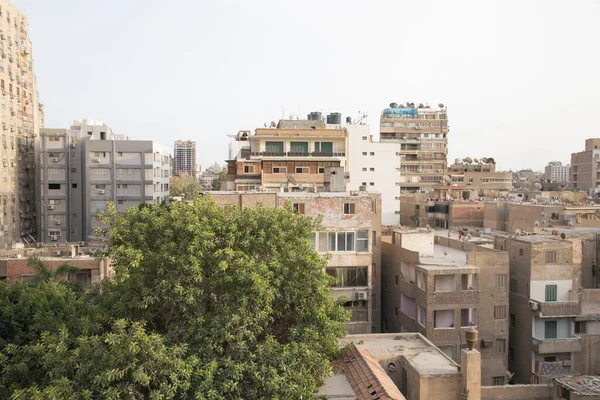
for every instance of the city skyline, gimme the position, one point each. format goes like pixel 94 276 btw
pixel 275 60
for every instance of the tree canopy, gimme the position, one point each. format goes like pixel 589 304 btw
pixel 185 186
pixel 205 302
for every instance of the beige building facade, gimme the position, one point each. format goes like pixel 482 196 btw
pixel 351 237
pixel 422 134
pixel 21 119
pixel 585 166
pixel 440 287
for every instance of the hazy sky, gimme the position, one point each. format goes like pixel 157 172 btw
pixel 521 79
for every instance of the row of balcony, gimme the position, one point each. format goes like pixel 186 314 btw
pixel 559 345
pixel 297 154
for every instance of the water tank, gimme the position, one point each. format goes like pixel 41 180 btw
pixel 315 116
pixel 335 118
pixel 348 120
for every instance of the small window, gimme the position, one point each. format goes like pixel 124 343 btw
pixel 374 206
pixel 74 185
pixel 120 201
pixel 120 154
pixel 364 153
pixel 513 321
pixel 302 170
pixel 501 346
pixel 580 327
pixel 498 380
pixel 511 355
pixel 500 280
pixel 396 311
pixel 371 183
pixel 365 138
pixel 513 285
pixel 520 252
pixel 372 169
pixel 349 208
pixel 550 330
pixel 248 169
pixel 396 276
pixel 298 208
pixel 321 170
pixel 551 257
pixel 54 186
pixel 499 312
pixel 279 170
pixel 372 153
pixel 551 292
pixel 364 168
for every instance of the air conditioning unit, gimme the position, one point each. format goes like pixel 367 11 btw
pixel 55 159
pixel 362 296
pixel 101 192
pixel 51 207
pixel 72 145
pixel 486 343
pixel 56 222
pixel 54 238
pixel 533 305
pixel 58 253
pixel 96 160
pixel 81 244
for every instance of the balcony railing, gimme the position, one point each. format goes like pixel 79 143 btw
pixel 298 154
pixel 558 308
pixel 558 345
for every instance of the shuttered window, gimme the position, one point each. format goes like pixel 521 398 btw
pixel 550 292
pixel 550 330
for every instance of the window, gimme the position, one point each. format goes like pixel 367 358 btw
pixel 54 232
pixel 298 208
pixel 364 138
pixel 550 330
pixel 499 312
pixel 248 169
pixel 364 168
pixel 374 238
pixel 374 207
pixel 550 359
pixel 122 186
pixel 302 170
pixel 500 280
pixel 348 276
pixel 321 170
pixel 130 171
pixel 54 186
pixel 513 285
pixel 551 292
pixel 551 257
pixel 511 354
pixel 274 148
pixel 349 208
pixel 345 241
pixel 74 185
pixel 501 346
pixel 324 147
pixel 371 183
pixel 520 252
pixel 279 170
pixel 396 311
pixel 396 276
pixel 364 153
pixel 53 139
pixel 498 380
pixel 99 171
pixel 372 153
pixel 362 241
pixel 374 270
pixel 513 321
pixel 120 154
pixel 299 147
pixel 120 201
pixel 443 319
pixel 120 171
pixel 580 327
pixel 372 169
pixel 101 186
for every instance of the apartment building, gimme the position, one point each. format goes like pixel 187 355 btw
pixel 477 180
pixel 291 155
pixel 554 324
pixel 442 287
pixel 351 236
pixel 82 168
pixel 585 167
pixel 21 119
pixel 418 210
pixel 555 171
pixel 184 158
pixel 422 134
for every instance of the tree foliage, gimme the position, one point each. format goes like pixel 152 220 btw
pixel 185 186
pixel 205 302
pixel 216 184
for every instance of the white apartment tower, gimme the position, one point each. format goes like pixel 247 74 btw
pixel 556 172
pixel 22 117
pixel 82 168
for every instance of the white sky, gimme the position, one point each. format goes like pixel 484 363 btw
pixel 520 78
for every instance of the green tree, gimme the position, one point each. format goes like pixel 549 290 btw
pixel 184 186
pixel 244 289
pixel 216 184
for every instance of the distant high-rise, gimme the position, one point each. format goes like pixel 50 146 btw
pixel 422 134
pixel 22 117
pixel 555 171
pixel 184 158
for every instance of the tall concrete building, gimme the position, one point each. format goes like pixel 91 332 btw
pixel 422 133
pixel 184 158
pixel 21 120
pixel 554 325
pixel 555 171
pixel 585 167
pixel 442 287
pixel 80 169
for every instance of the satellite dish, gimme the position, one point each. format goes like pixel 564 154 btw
pixel 273 124
pixel 301 187
pixel 536 223
pixel 538 185
pixel 447 178
pixel 580 197
pixel 441 105
pixel 291 178
pixel 562 235
pixel 476 160
pixel 567 196
pixel 484 160
pixel 421 105
pixel 393 105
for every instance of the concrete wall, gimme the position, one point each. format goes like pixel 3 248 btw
pixel 516 392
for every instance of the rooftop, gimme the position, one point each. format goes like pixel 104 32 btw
pixel 419 352
pixel 445 256
pixel 585 385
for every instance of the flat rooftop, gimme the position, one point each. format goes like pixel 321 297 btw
pixel 446 256
pixel 537 238
pixel 419 352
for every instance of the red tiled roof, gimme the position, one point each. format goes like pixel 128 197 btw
pixel 367 378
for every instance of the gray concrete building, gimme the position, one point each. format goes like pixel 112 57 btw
pixel 82 168
pixel 184 158
pixel 441 287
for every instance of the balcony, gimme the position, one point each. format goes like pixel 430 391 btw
pixel 560 345
pixel 297 154
pixel 558 309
